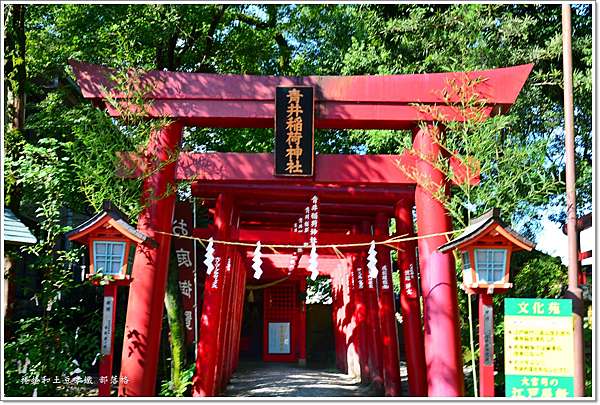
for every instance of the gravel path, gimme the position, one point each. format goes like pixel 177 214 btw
pixel 290 380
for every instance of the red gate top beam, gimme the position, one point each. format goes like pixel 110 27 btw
pixel 257 168
pixel 341 101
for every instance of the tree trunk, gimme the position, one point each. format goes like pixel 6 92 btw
pixel 16 74
pixel 175 318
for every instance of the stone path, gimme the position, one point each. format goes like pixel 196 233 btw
pixel 290 380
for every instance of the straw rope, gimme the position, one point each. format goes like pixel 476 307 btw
pixel 387 242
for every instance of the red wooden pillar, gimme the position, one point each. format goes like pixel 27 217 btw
pixel 228 310
pixel 242 294
pixel 143 324
pixel 229 353
pixel 236 319
pixel 234 316
pixel 204 382
pixel 229 314
pixel 360 316
pixel 238 298
pixel 225 311
pixel 350 331
pixel 106 361
pixel 375 352
pixel 438 274
pixel 410 304
pixel 240 306
pixel 486 358
pixel 387 312
pixel 336 312
pixel 302 325
pixel 227 323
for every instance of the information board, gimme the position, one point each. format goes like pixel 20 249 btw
pixel 279 337
pixel 538 347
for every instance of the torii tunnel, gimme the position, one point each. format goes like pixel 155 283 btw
pixel 357 194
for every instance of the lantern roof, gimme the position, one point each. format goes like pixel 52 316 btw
pixel 483 225
pixel 109 217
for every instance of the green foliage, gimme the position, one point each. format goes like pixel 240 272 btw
pixel 101 279
pixel 318 291
pixel 62 342
pixel 536 275
pixel 168 389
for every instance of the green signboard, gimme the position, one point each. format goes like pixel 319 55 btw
pixel 538 348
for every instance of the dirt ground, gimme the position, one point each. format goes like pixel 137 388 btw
pixel 290 380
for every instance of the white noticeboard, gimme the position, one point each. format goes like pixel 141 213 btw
pixel 279 337
pixel 107 310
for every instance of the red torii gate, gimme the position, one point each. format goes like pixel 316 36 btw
pixel 368 102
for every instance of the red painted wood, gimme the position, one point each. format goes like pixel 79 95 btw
pixel 235 114
pixel 438 281
pixel 337 312
pixel 362 313
pixel 359 316
pixel 486 373
pixel 105 368
pixel 341 102
pixel 230 348
pixel 143 324
pixel 225 305
pixel 287 218
pixel 324 207
pixel 387 318
pixel 500 87
pixel 241 277
pixel 259 167
pixel 410 304
pixel 271 236
pixel 352 330
pixel 302 326
pixel 275 266
pixel 366 170
pixel 373 317
pixel 238 301
pixel 204 381
pixel 232 320
pixel 327 192
pixel 224 346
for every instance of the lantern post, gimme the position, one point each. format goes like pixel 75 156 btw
pixel 109 238
pixel 485 247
